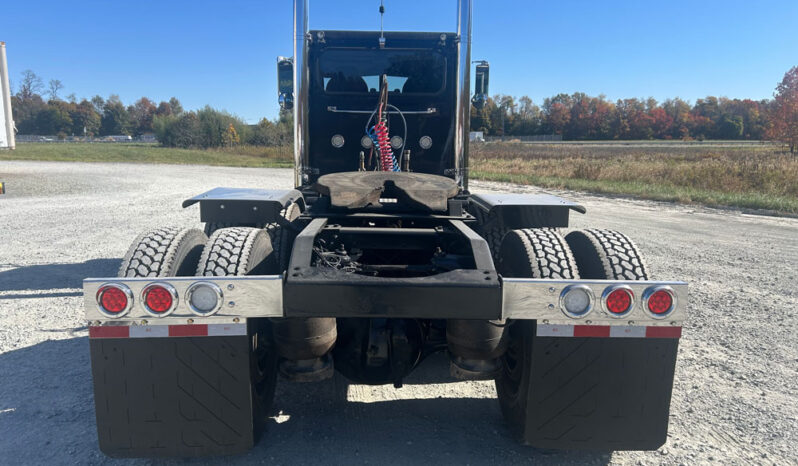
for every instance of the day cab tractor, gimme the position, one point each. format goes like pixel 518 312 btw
pixel 379 257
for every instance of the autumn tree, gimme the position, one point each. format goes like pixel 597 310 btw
pixel 141 115
pixel 784 111
pixel 230 136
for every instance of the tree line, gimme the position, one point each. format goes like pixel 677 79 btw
pixel 576 116
pixel 579 116
pixel 40 110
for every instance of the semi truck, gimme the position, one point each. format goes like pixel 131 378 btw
pixel 379 257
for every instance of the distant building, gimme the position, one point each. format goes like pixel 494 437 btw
pixel 476 136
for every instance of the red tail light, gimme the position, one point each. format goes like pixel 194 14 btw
pixel 159 299
pixel 618 300
pixel 114 300
pixel 659 301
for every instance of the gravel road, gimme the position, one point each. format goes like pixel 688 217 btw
pixel 736 390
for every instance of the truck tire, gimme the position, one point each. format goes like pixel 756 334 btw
pixel 589 393
pixel 528 253
pixel 606 255
pixel 177 397
pixel 492 229
pixel 164 252
pixel 245 251
pixel 282 238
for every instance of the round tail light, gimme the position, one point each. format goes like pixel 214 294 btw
pixel 114 300
pixel 618 300
pixel 660 301
pixel 159 299
pixel 576 300
pixel 204 298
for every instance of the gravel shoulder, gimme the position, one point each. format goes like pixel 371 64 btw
pixel 735 396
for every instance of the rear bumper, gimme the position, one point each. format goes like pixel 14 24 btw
pixel 464 294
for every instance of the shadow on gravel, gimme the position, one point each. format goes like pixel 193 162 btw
pixel 47 416
pixel 46 277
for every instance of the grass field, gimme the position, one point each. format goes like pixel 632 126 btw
pixel 755 176
pixel 248 156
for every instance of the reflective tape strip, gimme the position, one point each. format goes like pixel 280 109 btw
pixel 595 331
pixel 628 332
pixel 548 330
pixel 110 331
pixel 149 331
pixel 663 332
pixel 163 331
pixel 217 330
pixel 607 331
pixel 191 330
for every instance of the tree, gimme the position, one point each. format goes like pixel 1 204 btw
pixel 31 85
pixel 115 119
pixel 163 109
pixel 230 136
pixel 54 88
pixel 784 111
pixel 98 103
pixel 54 120
pixel 175 105
pixel 141 115
pixel 85 119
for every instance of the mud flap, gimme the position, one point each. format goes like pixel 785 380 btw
pixel 160 397
pixel 600 393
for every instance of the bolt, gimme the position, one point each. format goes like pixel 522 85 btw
pixel 551 289
pixel 631 322
pixel 143 322
pixel 675 324
pixel 236 320
pixel 588 322
pixel 551 306
pixel 221 206
pixel 231 304
pixel 255 208
pixel 230 287
pixel 545 321
pixel 190 321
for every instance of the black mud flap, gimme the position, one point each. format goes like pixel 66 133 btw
pixel 600 393
pixel 162 397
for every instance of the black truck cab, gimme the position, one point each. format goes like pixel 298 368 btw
pixel 346 70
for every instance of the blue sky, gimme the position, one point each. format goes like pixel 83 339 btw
pixel 223 53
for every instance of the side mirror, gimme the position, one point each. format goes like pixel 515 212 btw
pixel 481 82
pixel 285 82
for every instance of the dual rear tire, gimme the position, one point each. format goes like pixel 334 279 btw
pixel 188 396
pixel 582 393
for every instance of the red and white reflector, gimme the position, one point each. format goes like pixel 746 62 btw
pixel 159 299
pixel 618 300
pixel 659 301
pixel 114 300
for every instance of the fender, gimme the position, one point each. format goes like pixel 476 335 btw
pixel 525 210
pixel 241 205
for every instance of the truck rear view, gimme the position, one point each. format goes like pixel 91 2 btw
pixel 379 257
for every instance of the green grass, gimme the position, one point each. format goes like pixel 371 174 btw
pixel 150 153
